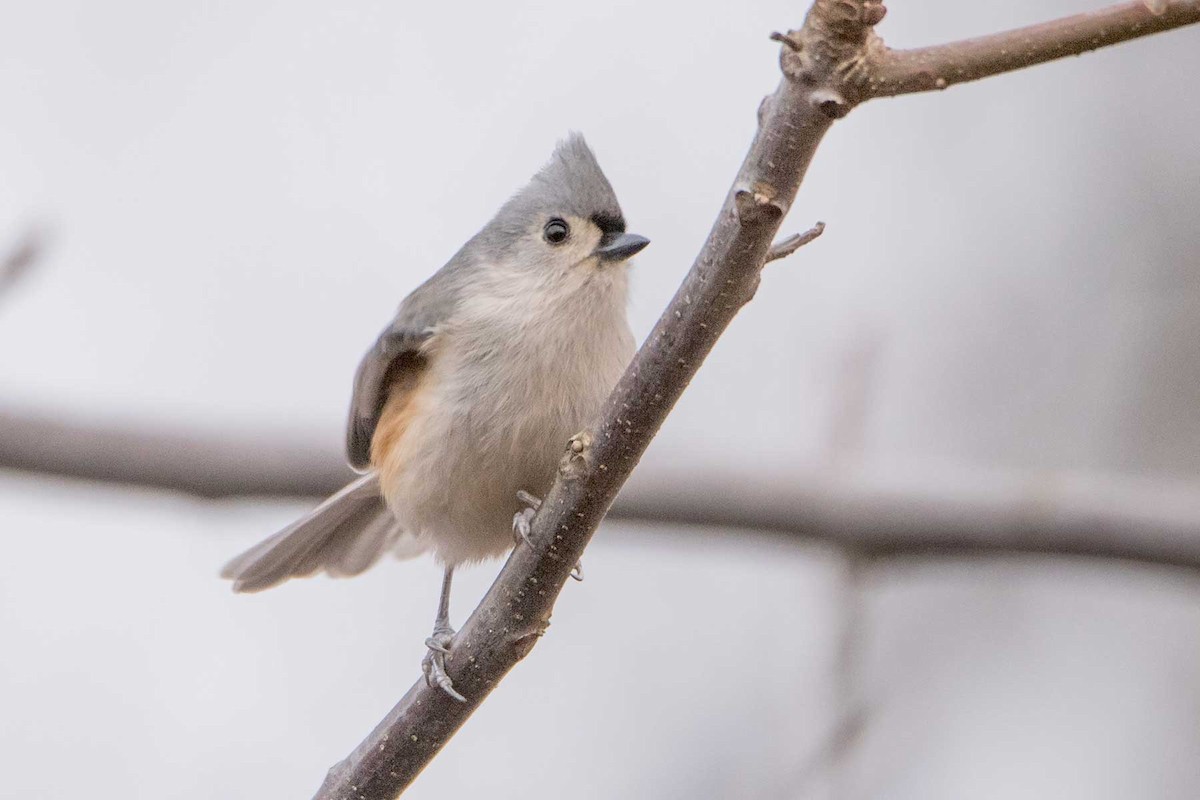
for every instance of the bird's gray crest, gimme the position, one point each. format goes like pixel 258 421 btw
pixel 570 183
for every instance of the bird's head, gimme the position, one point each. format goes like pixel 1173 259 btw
pixel 565 219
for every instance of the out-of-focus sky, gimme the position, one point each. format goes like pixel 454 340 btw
pixel 240 193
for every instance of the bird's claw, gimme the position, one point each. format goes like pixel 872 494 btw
pixel 523 519
pixel 434 662
pixel 523 524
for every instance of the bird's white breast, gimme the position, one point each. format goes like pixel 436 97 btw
pixel 525 363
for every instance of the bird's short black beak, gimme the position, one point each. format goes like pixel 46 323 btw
pixel 619 246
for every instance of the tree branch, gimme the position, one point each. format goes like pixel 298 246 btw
pixel 934 511
pixel 516 610
pixel 894 72
pixel 232 463
pixel 824 65
pixel 832 63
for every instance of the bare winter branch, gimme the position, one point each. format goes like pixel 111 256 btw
pixel 788 245
pixel 832 63
pixel 203 463
pixel 827 67
pixel 516 610
pixel 893 72
pixel 931 511
pixel 938 510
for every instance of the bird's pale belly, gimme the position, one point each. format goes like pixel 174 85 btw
pixel 452 478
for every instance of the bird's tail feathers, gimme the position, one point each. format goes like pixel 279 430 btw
pixel 343 536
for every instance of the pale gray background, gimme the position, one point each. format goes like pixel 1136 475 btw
pixel 241 192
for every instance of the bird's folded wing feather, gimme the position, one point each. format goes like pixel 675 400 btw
pixel 394 363
pixel 389 369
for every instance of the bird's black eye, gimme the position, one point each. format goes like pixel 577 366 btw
pixel 556 231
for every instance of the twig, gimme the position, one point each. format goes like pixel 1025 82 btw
pixel 786 246
pixel 784 39
pixel 825 73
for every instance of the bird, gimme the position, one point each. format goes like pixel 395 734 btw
pixel 467 399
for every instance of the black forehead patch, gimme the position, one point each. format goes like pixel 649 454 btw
pixel 609 223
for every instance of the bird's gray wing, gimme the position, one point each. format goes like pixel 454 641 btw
pixel 394 363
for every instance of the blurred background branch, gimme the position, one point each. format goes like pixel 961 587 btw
pixel 19 259
pixel 229 463
pixel 919 509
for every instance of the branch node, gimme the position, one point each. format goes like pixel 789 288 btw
pixel 832 104
pixel 762 108
pixel 873 13
pixel 785 247
pixel 575 462
pixel 522 645
pixel 758 205
pixel 849 19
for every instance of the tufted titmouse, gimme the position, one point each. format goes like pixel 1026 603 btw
pixel 466 401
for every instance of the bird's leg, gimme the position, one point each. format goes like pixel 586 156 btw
pixel 434 662
pixel 524 518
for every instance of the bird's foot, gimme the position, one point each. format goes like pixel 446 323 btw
pixel 523 519
pixel 434 662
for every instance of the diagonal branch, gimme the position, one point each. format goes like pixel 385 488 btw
pixel 828 68
pixel 516 610
pixel 832 63
pixel 894 72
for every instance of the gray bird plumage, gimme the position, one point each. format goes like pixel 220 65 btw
pixel 572 183
pixel 468 397
pixel 343 536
